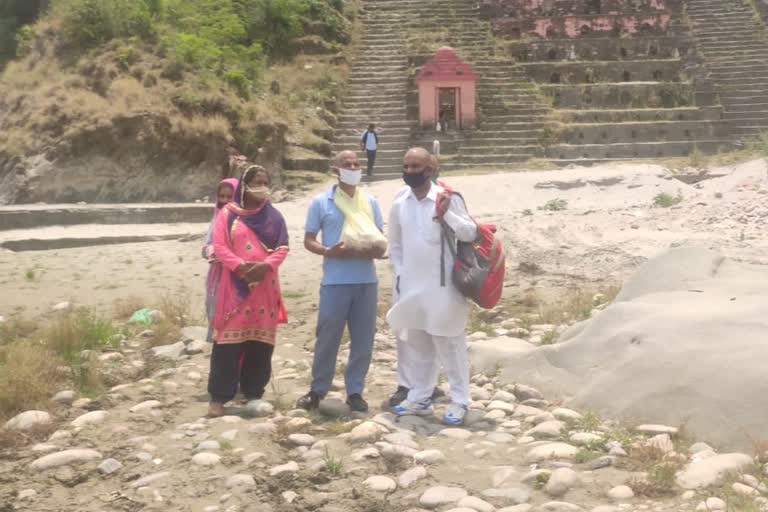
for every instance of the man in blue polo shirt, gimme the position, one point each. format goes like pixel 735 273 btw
pixel 348 293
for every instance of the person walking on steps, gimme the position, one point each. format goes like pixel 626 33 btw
pixel 369 142
pixel 430 315
pixel 348 292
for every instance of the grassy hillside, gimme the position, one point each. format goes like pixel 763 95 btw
pixel 151 90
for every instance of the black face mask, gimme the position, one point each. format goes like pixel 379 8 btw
pixel 415 179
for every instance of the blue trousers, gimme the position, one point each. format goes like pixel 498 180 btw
pixel 344 305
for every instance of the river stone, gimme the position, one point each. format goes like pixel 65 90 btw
pixel 653 430
pixel 259 408
pixel 171 352
pixel 367 432
pixel 523 392
pixel 713 470
pixel 562 413
pixel 559 506
pixel 89 418
pixel 551 451
pixel 621 492
pixel 145 406
pixel 440 495
pixel 409 477
pixel 456 433
pixel 27 420
pixel 206 459
pixel 560 481
pixel 513 494
pixel 429 457
pixel 195 347
pixel 63 458
pixel 498 405
pixel 500 437
pixel 240 480
pixel 333 407
pixel 584 438
pixel 150 479
pixel 208 446
pixel 473 503
pixel 302 439
pixel 380 483
pixel 547 429
pixel 290 467
pixel 65 397
pixel 109 466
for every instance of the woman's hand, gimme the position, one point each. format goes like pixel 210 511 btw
pixel 256 272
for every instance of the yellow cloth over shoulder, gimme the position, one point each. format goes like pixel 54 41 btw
pixel 359 230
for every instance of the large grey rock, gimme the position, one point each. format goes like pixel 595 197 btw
pixel 193 332
pixel 551 451
pixel 410 476
pixel 109 466
pixel 333 407
pixel 711 340
pixel 713 470
pixel 65 397
pixel 63 458
pixel 28 419
pixel 561 481
pixel 513 494
pixel 380 483
pixel 171 352
pixel 196 347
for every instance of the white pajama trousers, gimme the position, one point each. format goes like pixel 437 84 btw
pixel 419 358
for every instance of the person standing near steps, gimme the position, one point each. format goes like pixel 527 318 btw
pixel 348 293
pixel 369 142
pixel 429 318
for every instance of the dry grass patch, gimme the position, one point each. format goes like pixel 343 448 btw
pixel 29 375
pixel 124 307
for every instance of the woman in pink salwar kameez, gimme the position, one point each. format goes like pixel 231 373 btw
pixel 250 239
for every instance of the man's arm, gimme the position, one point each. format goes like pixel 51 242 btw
pixel 459 220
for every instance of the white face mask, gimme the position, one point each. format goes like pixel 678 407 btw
pixel 258 193
pixel 350 177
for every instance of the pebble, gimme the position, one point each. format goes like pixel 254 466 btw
pixel 547 429
pixel 744 490
pixel 621 492
pixel 290 467
pixel 89 418
pixel 206 459
pixel 523 392
pixel 146 406
pixel 82 403
pixel 366 453
pixel 429 457
pixel 367 432
pixel 28 419
pixel 252 457
pixel 712 504
pixel 263 428
pixel 150 479
pixel 109 466
pixel 584 438
pixel 476 504
pixel 440 495
pixel 297 424
pixel 504 396
pixel 63 458
pixel 559 506
pixel 561 481
pixel 562 413
pixel 380 483
pixel 500 437
pixel 513 494
pixel 456 433
pixel 410 476
pixel 195 347
pixel 27 494
pixel 302 439
pixel 240 480
pixel 289 496
pixel 551 451
pixel 653 430
pixel 229 435
pixel 208 446
pixel 712 470
pixel 498 405
pixel 64 397
pixel 259 408
pixel 333 407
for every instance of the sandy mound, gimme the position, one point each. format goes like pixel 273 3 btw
pixel 685 342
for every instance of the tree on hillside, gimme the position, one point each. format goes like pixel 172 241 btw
pixel 14 14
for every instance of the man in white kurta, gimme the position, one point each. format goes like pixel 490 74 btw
pixel 429 316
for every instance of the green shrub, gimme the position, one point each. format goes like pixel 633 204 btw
pixel 665 200
pixel 77 330
pixel 239 81
pixel 88 23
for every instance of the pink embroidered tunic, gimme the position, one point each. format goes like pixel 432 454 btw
pixel 251 315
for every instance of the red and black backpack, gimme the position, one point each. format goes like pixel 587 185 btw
pixel 478 267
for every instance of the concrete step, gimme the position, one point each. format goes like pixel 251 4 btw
pixel 636 149
pixel 16 217
pixel 83 235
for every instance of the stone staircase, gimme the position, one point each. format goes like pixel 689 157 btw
pixel 377 90
pixel 732 39
pixel 400 36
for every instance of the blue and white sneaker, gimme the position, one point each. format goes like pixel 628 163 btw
pixel 455 414
pixel 406 407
